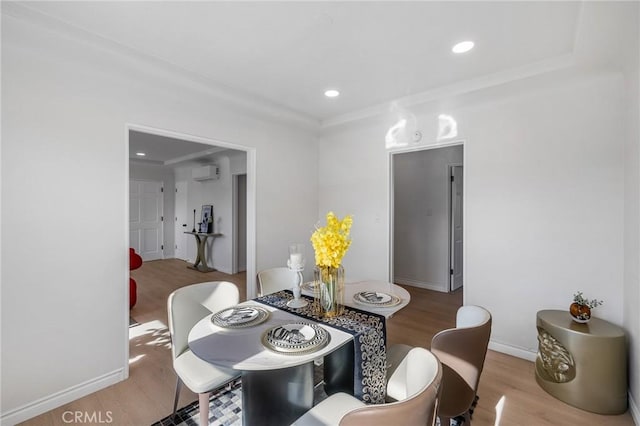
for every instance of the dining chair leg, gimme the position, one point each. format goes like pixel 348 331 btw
pixel 204 408
pixel 177 396
pixel 467 418
pixel 445 421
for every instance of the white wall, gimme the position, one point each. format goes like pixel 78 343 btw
pixel 609 38
pixel 632 246
pixel 354 179
pixel 162 174
pixel 217 192
pixel 544 205
pixel 195 197
pixel 221 195
pixel 421 216
pixel 555 223
pixel 543 195
pixel 632 212
pixel 72 102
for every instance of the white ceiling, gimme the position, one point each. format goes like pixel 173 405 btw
pixel 162 150
pixel 286 54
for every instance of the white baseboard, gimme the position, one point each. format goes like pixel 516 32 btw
pixel 62 397
pixel 512 350
pixel 421 284
pixel 226 271
pixel 634 409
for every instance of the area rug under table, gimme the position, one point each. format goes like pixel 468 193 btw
pixel 225 409
pixel 225 405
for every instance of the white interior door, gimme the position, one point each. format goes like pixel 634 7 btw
pixel 456 228
pixel 145 218
pixel 182 220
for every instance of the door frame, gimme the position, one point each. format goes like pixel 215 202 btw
pixel 234 202
pixel 450 167
pixel 390 202
pixel 179 236
pixel 251 209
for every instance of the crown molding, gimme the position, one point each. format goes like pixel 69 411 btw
pixel 460 88
pixel 260 107
pixel 266 109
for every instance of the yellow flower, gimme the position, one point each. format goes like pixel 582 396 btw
pixel 331 242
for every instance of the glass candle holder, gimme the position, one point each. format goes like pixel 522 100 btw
pixel 296 256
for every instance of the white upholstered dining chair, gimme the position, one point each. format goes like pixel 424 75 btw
pixel 186 306
pixel 276 279
pixel 418 377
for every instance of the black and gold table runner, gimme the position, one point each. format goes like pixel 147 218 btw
pixel 369 336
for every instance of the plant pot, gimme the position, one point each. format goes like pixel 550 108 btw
pixel 580 313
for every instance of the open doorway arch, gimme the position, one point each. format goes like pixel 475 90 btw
pixel 250 205
pixel 424 240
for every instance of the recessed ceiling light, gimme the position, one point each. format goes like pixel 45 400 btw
pixel 140 154
pixel 331 93
pixel 462 47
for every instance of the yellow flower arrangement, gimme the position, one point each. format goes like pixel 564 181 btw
pixel 332 241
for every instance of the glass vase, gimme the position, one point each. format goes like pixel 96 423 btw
pixel 329 290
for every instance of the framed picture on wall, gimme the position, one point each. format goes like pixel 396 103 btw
pixel 206 219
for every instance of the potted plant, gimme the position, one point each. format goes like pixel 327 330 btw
pixel 581 307
pixel 330 243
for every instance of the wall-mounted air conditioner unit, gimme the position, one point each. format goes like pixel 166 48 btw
pixel 206 173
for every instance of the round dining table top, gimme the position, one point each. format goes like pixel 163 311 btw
pixel 242 348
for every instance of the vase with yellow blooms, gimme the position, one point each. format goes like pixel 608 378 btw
pixel 330 244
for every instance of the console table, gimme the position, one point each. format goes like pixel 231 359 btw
pixel 201 243
pixel 584 365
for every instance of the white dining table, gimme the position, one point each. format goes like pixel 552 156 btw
pixel 242 348
pixel 276 388
pixel 285 381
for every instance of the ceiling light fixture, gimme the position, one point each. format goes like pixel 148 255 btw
pixel 140 154
pixel 331 93
pixel 463 46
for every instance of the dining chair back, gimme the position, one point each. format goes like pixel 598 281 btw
pixel 276 279
pixel 185 307
pixel 421 373
pixel 462 351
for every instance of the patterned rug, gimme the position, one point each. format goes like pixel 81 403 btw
pixel 225 406
pixel 225 409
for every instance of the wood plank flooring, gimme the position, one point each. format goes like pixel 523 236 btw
pixel 147 396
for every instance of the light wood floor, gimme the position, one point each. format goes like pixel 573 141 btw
pixel 147 395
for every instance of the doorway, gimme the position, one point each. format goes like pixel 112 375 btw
pixel 179 148
pixel 240 222
pixel 172 159
pixel 426 213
